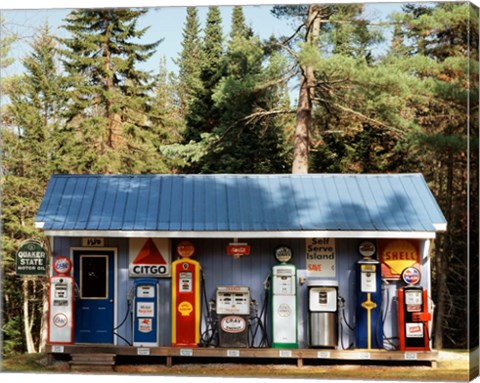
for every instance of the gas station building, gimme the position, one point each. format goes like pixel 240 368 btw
pixel 320 266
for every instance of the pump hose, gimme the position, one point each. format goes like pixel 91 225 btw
pixel 343 317
pixel 264 339
pixel 209 325
pixel 114 330
pixel 388 340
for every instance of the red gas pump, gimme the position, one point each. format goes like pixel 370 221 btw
pixel 413 315
pixel 186 309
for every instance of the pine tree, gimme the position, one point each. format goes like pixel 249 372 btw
pixel 189 61
pixel 239 27
pixel 111 102
pixel 202 116
pixel 246 143
pixel 36 101
pixel 440 54
pixel 346 97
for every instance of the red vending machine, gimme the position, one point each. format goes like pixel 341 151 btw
pixel 186 309
pixel 413 314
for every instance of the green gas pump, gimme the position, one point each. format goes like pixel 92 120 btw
pixel 284 300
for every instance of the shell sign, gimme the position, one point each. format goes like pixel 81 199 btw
pixel 398 254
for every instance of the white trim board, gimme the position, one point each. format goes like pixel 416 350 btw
pixel 240 234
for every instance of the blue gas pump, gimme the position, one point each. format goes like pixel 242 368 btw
pixel 145 312
pixel 368 319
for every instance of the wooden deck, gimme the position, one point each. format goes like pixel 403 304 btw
pixel 79 352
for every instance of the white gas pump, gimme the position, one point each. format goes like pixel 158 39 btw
pixel 61 304
pixel 284 301
pixel 322 308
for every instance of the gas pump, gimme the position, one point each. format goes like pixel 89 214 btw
pixel 186 298
pixel 323 313
pixel 61 305
pixel 284 300
pixel 232 305
pixel 413 315
pixel 368 321
pixel 145 312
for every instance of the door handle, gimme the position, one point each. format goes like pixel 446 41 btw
pixel 111 300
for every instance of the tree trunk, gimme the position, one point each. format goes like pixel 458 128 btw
pixel 305 97
pixel 28 319
pixel 442 262
pixel 44 322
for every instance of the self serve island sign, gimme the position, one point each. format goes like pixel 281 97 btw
pixel 150 258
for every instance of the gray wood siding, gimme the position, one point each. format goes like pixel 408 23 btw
pixel 252 270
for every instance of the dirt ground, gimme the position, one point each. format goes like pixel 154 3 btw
pixel 451 366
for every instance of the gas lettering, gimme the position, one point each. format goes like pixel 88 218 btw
pixel 400 256
pixel 149 270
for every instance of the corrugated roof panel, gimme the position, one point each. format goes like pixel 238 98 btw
pixel 49 206
pixel 278 196
pixel 101 192
pixel 166 203
pixel 176 207
pixel 86 203
pixel 361 209
pixel 199 206
pixel 72 220
pixel 416 216
pixel 346 204
pixel 144 187
pixel 385 202
pixel 427 199
pixel 371 203
pixel 303 207
pixel 333 204
pixel 120 202
pixel 211 202
pixel 233 207
pixel 258 218
pixel 240 203
pixel 153 203
pixel 188 190
pixel 109 204
pixel 221 204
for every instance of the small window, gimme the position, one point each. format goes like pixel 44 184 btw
pixel 93 277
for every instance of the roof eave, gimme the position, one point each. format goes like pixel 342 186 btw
pixel 241 234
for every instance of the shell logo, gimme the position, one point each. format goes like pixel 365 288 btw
pixel 398 254
pixel 185 308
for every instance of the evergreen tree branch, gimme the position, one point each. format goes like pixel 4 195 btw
pixel 361 115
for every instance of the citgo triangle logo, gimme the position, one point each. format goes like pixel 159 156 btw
pixel 149 255
pixel 149 260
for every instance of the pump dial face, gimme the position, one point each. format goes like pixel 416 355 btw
pixel 367 249
pixel 283 254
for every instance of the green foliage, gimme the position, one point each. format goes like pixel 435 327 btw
pixel 111 104
pixel 189 61
pixel 229 111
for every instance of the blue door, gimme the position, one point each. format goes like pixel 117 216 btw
pixel 94 276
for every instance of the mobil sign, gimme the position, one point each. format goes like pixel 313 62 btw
pixel 149 258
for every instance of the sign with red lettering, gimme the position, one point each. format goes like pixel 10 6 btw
pixel 398 254
pixel 149 257
pixel 237 249
pixel 320 254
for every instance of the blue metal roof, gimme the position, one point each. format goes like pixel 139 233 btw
pixel 239 203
